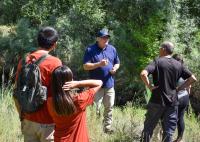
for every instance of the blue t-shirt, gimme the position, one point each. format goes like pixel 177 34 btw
pixel 94 54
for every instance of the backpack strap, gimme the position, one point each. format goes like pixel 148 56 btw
pixel 42 58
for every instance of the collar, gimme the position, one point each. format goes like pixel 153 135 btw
pixel 41 51
pixel 168 56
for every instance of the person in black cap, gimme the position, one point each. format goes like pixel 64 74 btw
pixel 102 61
pixel 163 104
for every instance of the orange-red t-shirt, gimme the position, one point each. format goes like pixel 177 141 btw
pixel 72 128
pixel 46 68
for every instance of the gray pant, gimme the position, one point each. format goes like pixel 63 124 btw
pixel 108 97
pixel 168 116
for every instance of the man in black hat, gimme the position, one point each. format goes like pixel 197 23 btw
pixel 163 103
pixel 102 62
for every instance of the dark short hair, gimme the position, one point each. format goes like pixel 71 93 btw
pixel 47 36
pixel 168 46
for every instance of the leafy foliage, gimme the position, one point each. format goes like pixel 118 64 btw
pixel 137 28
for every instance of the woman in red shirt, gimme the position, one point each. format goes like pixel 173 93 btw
pixel 68 108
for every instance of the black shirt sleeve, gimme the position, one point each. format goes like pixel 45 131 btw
pixel 185 73
pixel 151 67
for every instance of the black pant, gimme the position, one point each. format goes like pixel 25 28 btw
pixel 183 104
pixel 155 112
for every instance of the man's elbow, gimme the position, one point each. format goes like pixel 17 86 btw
pixel 100 82
pixel 193 78
pixel 85 67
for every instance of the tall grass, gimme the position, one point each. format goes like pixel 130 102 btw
pixel 9 120
pixel 127 123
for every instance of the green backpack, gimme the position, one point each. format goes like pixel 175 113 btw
pixel 30 92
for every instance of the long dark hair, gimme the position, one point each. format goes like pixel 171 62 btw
pixel 62 100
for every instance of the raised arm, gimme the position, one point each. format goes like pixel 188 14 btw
pixel 94 84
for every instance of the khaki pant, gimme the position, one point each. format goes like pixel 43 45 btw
pixel 36 132
pixel 108 97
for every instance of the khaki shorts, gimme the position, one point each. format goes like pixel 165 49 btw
pixel 36 132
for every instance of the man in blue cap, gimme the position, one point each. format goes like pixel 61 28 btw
pixel 102 62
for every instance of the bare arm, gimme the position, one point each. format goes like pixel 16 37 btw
pixel 94 84
pixel 145 79
pixel 188 89
pixel 187 83
pixel 16 102
pixel 92 66
pixel 115 68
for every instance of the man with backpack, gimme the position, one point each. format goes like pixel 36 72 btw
pixel 32 88
pixel 163 103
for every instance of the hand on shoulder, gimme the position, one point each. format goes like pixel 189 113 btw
pixel 70 85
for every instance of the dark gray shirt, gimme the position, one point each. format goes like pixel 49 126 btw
pixel 166 72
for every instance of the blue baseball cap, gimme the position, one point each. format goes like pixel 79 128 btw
pixel 103 32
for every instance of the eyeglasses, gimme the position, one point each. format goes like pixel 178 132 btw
pixel 105 37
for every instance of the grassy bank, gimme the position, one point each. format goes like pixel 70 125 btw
pixel 127 123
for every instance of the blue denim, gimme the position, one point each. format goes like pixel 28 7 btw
pixel 183 104
pixel 168 117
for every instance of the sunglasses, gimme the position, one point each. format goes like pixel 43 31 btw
pixel 105 37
